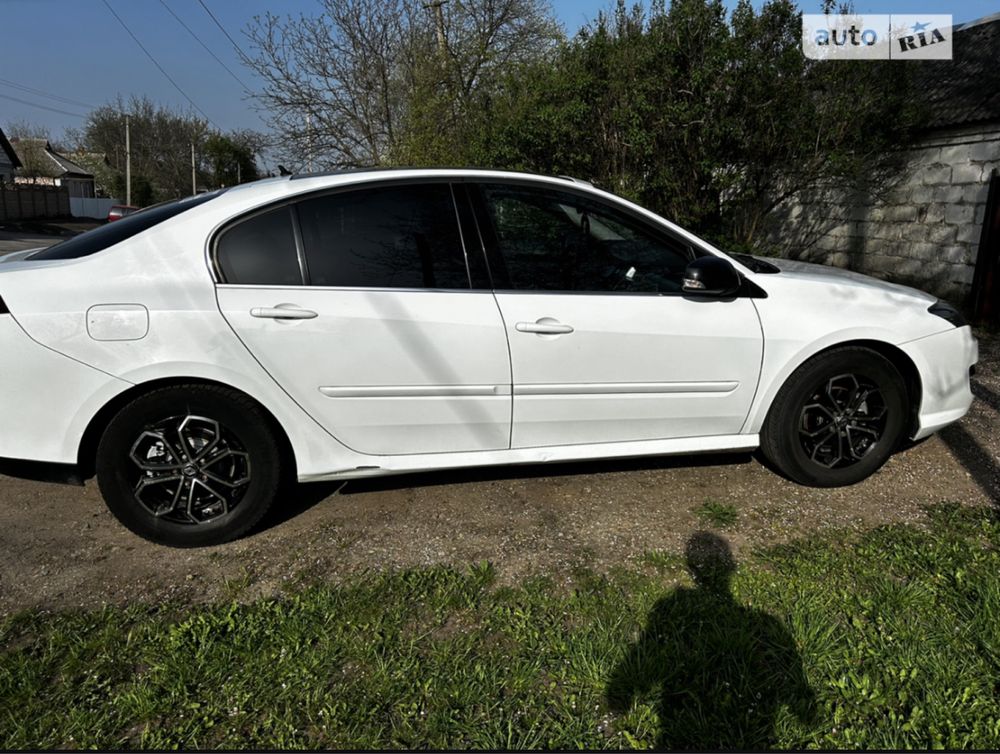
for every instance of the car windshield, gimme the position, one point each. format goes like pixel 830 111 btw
pixel 131 223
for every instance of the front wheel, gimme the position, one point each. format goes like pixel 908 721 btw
pixel 189 466
pixel 837 419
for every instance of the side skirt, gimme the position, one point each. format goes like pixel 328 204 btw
pixel 385 465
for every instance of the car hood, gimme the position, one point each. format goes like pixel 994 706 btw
pixel 835 276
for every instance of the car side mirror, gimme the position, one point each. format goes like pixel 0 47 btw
pixel 711 276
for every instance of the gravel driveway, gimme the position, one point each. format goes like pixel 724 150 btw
pixel 63 549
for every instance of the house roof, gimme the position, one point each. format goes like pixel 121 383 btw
pixel 9 150
pixel 966 89
pixel 39 155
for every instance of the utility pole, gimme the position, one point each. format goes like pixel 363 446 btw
pixel 194 180
pixel 437 6
pixel 128 164
pixel 239 172
pixel 309 143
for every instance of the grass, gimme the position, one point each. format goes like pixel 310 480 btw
pixel 885 639
pixel 663 561
pixel 714 513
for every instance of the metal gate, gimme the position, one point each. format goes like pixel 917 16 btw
pixel 986 282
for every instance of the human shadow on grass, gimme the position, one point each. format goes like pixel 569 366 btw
pixel 720 670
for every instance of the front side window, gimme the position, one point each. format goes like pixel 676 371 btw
pixel 550 240
pixel 260 250
pixel 385 237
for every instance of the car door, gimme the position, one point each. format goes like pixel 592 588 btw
pixel 604 346
pixel 360 306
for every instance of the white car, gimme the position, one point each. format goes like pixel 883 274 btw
pixel 320 327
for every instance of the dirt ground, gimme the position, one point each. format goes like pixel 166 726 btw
pixel 62 549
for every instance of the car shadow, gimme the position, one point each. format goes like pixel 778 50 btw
pixel 717 671
pixel 977 460
pixel 293 500
pixel 477 474
pixel 296 498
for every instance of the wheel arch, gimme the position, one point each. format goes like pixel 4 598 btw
pixel 87 452
pixel 904 364
pixel 894 354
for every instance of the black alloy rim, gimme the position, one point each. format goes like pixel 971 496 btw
pixel 188 469
pixel 843 419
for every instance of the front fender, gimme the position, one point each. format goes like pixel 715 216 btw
pixel 783 354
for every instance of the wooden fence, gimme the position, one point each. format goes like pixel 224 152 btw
pixel 32 202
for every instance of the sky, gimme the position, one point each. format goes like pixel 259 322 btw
pixel 78 54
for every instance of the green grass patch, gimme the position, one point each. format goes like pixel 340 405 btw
pixel 714 513
pixel 886 639
pixel 663 561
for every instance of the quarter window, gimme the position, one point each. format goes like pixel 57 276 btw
pixel 551 240
pixel 260 251
pixel 390 237
pixel 105 236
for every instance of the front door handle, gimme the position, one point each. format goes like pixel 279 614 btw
pixel 282 311
pixel 544 326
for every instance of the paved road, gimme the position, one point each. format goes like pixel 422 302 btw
pixel 20 241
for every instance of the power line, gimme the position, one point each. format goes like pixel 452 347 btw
pixel 160 67
pixel 40 93
pixel 223 28
pixel 43 107
pixel 207 48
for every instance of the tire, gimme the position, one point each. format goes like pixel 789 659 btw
pixel 837 419
pixel 189 465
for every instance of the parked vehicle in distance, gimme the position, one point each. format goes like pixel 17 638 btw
pixel 118 211
pixel 325 327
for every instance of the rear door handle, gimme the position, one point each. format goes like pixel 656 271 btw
pixel 282 311
pixel 544 326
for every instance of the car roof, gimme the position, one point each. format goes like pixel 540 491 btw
pixel 438 172
pixel 287 186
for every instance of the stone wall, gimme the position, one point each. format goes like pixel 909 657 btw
pixel 922 228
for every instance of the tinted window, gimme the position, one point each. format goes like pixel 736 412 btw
pixel 392 237
pixel 260 251
pixel 558 241
pixel 108 235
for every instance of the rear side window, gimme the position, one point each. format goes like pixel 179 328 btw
pixel 108 235
pixel 390 237
pixel 260 251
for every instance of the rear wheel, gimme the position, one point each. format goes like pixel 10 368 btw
pixel 837 419
pixel 189 465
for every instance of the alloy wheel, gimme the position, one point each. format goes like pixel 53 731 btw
pixel 842 420
pixel 188 469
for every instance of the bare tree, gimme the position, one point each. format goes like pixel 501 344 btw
pixel 339 87
pixel 20 128
pixel 161 141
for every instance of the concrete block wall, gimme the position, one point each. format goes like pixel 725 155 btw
pixel 922 229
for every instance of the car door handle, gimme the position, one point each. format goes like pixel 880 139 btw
pixel 544 326
pixel 282 311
